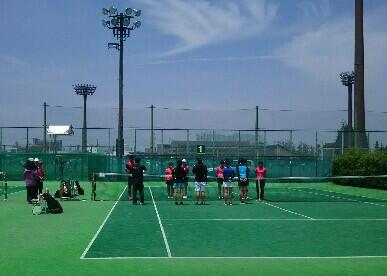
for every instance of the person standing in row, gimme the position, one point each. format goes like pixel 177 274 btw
pixel 138 180
pixel 186 170
pixel 260 173
pixel 243 179
pixel 228 175
pixel 200 171
pixel 30 177
pixel 219 179
pixel 40 178
pixel 179 178
pixel 169 179
pixel 128 170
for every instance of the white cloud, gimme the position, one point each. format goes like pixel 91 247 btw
pixel 201 22
pixel 329 49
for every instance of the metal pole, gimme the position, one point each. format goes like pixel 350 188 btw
pixel 27 139
pixel 120 137
pixel 162 141
pixel 135 140
pixel 239 144
pixel 350 133
pixel 187 146
pixel 44 127
pixel 109 140
pixel 84 129
pixel 256 133
pixel 152 137
pixel 316 154
pixel 342 142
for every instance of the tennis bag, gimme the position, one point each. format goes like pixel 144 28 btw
pixel 53 205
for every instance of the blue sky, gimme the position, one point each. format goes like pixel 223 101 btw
pixel 203 54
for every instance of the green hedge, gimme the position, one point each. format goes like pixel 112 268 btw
pixel 361 163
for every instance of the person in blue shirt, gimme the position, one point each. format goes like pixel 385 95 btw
pixel 228 175
pixel 243 172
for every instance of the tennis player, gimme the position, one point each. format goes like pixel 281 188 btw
pixel 128 170
pixel 228 175
pixel 219 179
pixel 200 171
pixel 186 170
pixel 179 177
pixel 260 173
pixel 138 180
pixel 169 179
pixel 243 179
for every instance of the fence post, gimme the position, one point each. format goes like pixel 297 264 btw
pixel 135 140
pixel 187 146
pixel 27 139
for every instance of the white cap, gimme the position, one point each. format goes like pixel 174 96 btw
pixel 184 161
pixel 36 159
pixel 31 159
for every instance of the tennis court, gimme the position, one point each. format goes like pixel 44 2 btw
pixel 308 220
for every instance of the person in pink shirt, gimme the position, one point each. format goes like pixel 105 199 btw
pixel 30 177
pixel 169 179
pixel 260 173
pixel 219 178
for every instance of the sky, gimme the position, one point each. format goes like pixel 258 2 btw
pixel 212 56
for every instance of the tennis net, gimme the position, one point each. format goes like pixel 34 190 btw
pixel 114 186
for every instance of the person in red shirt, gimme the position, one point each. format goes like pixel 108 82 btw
pixel 128 168
pixel 219 179
pixel 260 173
pixel 40 179
pixel 169 179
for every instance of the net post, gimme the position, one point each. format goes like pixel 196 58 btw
pixel 5 186
pixel 93 187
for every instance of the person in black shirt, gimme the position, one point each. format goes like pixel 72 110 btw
pixel 200 171
pixel 179 177
pixel 138 180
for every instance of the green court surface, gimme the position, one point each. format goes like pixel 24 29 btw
pixel 302 229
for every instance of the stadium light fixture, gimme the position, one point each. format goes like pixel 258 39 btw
pixel 120 23
pixel 84 90
pixel 128 11
pixel 348 79
pixel 112 10
pixel 105 11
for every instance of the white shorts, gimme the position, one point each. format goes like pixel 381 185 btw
pixel 227 184
pixel 199 186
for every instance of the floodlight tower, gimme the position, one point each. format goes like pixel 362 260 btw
pixel 121 25
pixel 348 79
pixel 84 90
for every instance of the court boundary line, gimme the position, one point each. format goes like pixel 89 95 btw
pixel 280 219
pixel 161 226
pixel 286 210
pixel 347 199
pixel 101 226
pixel 244 258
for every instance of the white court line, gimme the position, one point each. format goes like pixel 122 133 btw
pixel 102 225
pixel 161 226
pixel 243 258
pixel 279 219
pixel 348 199
pixel 286 210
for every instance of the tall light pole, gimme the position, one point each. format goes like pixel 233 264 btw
pixel 121 25
pixel 360 137
pixel 348 79
pixel 84 90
